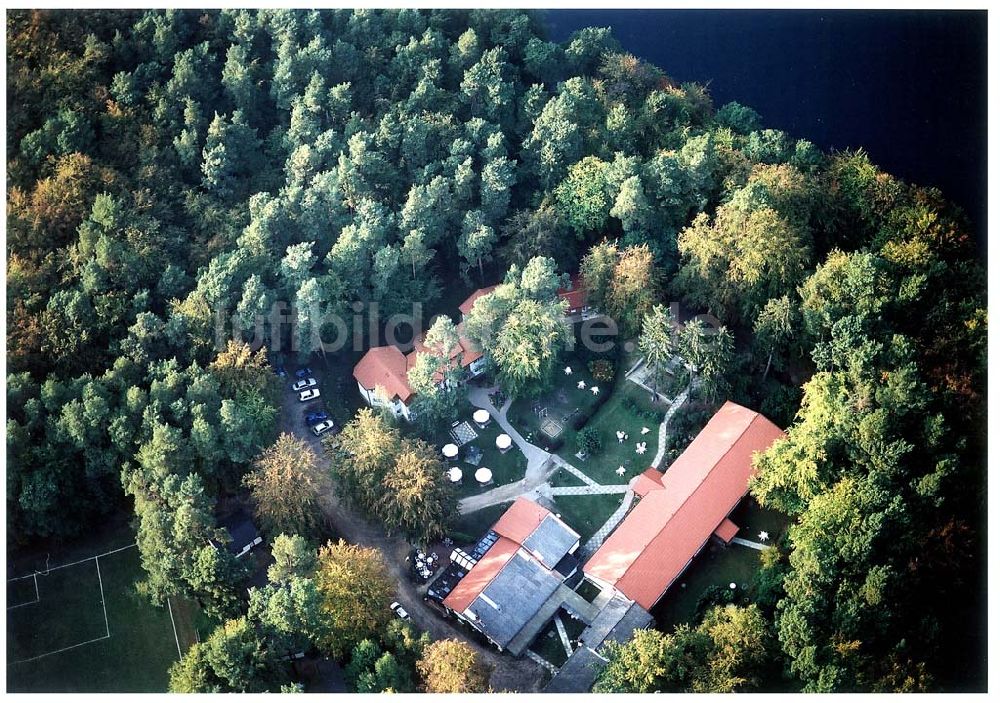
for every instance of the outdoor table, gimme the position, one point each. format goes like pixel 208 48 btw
pixel 481 417
pixel 503 442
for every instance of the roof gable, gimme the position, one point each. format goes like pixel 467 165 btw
pixel 385 367
pixel 466 306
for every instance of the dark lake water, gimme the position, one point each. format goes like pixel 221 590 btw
pixel 909 87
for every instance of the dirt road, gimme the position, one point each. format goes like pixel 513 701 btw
pixel 509 674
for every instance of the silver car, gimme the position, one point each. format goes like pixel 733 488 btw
pixel 311 394
pixel 303 384
pixel 322 427
pixel 399 611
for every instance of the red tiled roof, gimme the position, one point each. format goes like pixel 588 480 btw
pixel 575 295
pixel 464 353
pixel 669 526
pixel 476 581
pixel 466 307
pixel 648 480
pixel 520 520
pixel 514 526
pixel 385 367
pixel 726 530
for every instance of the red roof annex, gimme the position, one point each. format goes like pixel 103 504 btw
pixel 682 510
pixel 514 526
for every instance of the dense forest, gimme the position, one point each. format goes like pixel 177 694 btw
pixel 166 166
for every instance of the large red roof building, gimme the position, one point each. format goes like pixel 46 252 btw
pixel 680 510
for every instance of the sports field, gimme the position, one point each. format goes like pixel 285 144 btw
pixel 80 626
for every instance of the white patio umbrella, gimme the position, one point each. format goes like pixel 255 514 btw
pixel 503 442
pixel 481 416
pixel 454 474
pixel 484 475
pixel 450 450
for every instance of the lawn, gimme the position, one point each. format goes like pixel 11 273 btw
pixel 588 591
pixel 562 477
pixel 628 410
pixel 469 528
pixel 548 645
pixel 118 643
pixel 752 519
pixel 720 566
pixel 715 566
pixel 587 513
pixel 506 468
pixel 563 401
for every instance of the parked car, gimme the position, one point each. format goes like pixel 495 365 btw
pixel 399 611
pixel 280 371
pixel 303 384
pixel 303 372
pixel 323 427
pixel 311 394
pixel 313 416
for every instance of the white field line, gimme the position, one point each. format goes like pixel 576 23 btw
pixel 100 581
pixel 64 649
pixel 104 607
pixel 73 563
pixel 30 602
pixel 174 625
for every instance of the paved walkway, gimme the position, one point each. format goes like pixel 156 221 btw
pixel 505 493
pixel 662 446
pixel 606 529
pixel 582 490
pixel 747 543
pixel 573 470
pixel 537 457
pixel 540 660
pixel 563 635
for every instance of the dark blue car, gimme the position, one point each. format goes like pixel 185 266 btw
pixel 303 372
pixel 314 417
pixel 280 370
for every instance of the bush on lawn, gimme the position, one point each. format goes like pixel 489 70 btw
pixel 712 596
pixel 602 370
pixel 588 440
pixel 630 404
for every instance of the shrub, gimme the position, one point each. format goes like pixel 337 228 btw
pixel 602 370
pixel 713 595
pixel 588 440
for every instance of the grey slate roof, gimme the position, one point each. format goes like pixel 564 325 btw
pixel 578 674
pixel 635 618
pixel 613 611
pixel 519 591
pixel 551 541
pixel 618 619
